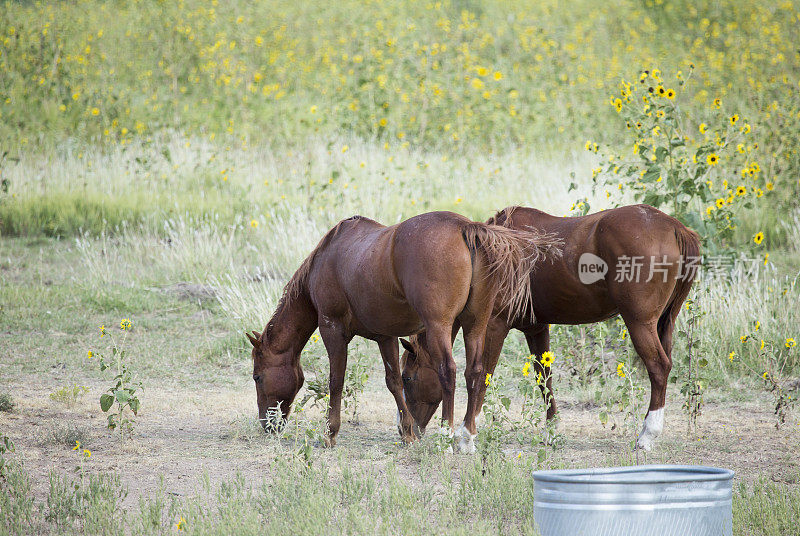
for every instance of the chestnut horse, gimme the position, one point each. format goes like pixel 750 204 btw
pixel 655 258
pixel 380 282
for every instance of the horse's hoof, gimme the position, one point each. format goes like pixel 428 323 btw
pixel 653 425
pixel 329 442
pixel 644 442
pixel 466 441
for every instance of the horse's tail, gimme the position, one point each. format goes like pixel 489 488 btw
pixel 511 255
pixel 689 245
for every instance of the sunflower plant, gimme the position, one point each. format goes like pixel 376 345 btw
pixel 626 394
pixel 497 418
pixel 773 367
pixel 702 172
pixel 121 400
pixel 693 377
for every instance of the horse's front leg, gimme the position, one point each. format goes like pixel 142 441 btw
pixel 394 381
pixel 335 339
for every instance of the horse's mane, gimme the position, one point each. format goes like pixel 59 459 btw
pixel 502 216
pixel 299 280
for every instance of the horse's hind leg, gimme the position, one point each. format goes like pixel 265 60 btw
pixel 391 362
pixel 440 348
pixel 538 338
pixel 648 345
pixel 474 326
pixel 333 335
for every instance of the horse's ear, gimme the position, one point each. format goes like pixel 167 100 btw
pixel 407 345
pixel 254 339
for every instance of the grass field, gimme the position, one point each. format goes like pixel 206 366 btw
pixel 171 164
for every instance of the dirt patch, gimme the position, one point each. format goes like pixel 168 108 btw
pixel 184 436
pixel 189 291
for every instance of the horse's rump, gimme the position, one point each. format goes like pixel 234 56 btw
pixel 511 255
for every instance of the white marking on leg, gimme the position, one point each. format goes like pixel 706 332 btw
pixel 466 441
pixel 653 426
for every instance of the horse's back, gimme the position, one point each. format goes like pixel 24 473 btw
pixel 346 255
pixel 638 246
pixel 383 277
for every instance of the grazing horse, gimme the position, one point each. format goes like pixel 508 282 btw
pixel 380 282
pixel 655 258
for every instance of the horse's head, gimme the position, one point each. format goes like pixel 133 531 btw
pixel 421 386
pixel 278 378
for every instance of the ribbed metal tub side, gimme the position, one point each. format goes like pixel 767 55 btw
pixel 656 500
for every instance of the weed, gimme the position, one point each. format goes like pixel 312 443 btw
pixel 355 380
pixel 69 394
pixel 6 446
pixel 16 497
pixel 6 402
pixel 627 393
pixel 67 433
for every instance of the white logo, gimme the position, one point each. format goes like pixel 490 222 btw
pixel 591 268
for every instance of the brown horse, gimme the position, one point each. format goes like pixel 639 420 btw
pixel 380 282
pixel 655 258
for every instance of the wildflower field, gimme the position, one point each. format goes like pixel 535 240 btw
pixel 166 166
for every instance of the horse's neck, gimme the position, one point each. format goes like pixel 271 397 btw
pixel 292 325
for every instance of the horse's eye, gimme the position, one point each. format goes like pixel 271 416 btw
pixel 406 379
pixel 256 378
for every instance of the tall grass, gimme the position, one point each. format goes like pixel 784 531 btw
pixel 247 267
pixel 101 190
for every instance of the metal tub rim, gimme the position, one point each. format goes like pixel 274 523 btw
pixel 624 475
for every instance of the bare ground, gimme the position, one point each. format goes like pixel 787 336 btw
pixel 184 435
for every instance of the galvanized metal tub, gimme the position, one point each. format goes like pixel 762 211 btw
pixel 652 500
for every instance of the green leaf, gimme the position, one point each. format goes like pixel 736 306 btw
pixel 122 396
pixel 506 402
pixel 134 405
pixel 702 363
pixel 106 400
pixel 652 173
pixel 652 199
pixel 603 418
